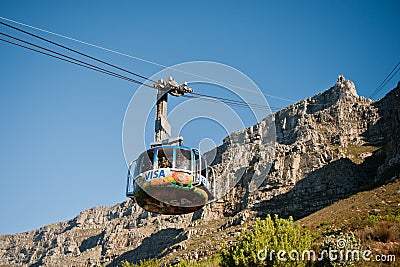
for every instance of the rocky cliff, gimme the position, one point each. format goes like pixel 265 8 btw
pixel 322 149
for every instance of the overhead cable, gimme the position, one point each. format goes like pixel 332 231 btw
pixel 75 51
pixel 146 61
pixel 386 80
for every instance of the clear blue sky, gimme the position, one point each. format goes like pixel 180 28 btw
pixel 61 125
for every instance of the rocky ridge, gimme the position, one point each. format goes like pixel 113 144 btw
pixel 322 149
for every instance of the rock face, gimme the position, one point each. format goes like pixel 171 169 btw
pixel 327 147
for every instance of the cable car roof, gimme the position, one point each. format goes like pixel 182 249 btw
pixel 170 146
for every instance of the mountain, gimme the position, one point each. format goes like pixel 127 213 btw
pixel 293 163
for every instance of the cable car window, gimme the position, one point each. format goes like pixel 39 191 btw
pixel 145 161
pixel 138 163
pixel 203 167
pixel 165 157
pixel 183 159
pixel 196 160
pixel 132 168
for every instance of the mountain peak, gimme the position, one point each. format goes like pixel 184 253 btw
pixel 345 87
pixel 343 91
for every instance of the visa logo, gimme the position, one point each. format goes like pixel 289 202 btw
pixel 154 174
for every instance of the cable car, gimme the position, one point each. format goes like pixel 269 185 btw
pixel 170 178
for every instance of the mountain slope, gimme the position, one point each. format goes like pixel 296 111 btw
pixel 327 148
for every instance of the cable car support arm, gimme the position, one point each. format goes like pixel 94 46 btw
pixel 162 127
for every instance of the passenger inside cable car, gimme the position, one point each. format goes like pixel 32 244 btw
pixel 165 157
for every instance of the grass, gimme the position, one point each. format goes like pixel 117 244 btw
pixel 209 262
pixel 383 231
pixel 324 223
pixel 357 211
pixel 356 153
pixel 213 261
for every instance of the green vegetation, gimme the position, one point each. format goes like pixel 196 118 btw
pixel 212 262
pixel 283 234
pixel 383 231
pixel 324 223
pixel 374 218
pixel 143 263
pixel 379 228
pixel 267 235
pixel 339 242
pixel 357 153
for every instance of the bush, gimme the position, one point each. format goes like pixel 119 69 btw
pixel 264 241
pixel 211 262
pixel 341 244
pixel 143 263
pixel 383 231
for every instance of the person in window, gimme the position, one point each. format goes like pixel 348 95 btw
pixel 164 163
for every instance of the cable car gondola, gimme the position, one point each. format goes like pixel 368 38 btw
pixel 169 178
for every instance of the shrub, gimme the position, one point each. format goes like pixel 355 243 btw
pixel 264 241
pixel 383 231
pixel 143 263
pixel 211 262
pixel 322 224
pixel 342 244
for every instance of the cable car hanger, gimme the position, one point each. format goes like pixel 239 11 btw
pixel 170 178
